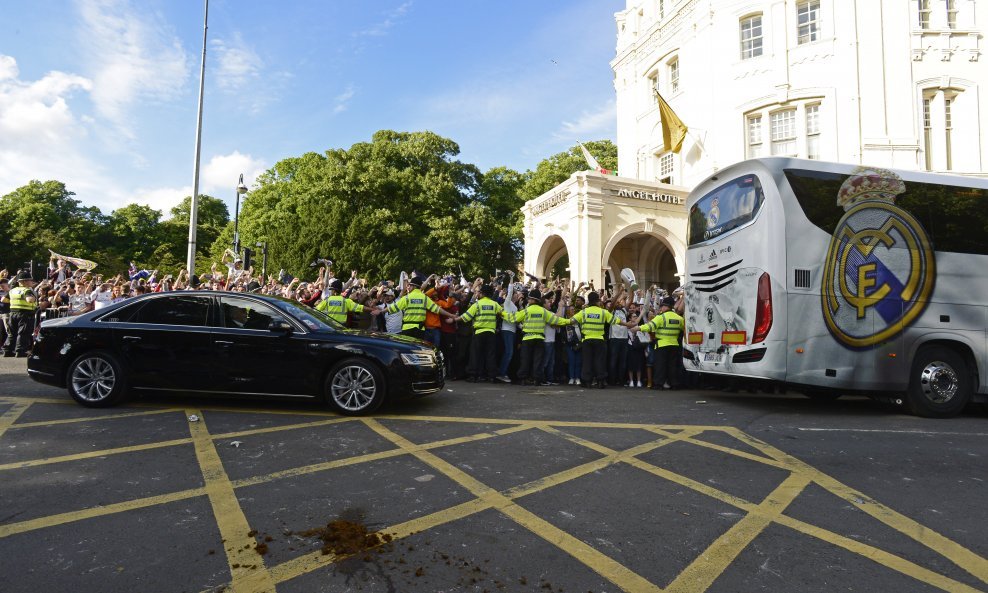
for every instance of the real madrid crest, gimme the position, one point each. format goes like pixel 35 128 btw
pixel 880 268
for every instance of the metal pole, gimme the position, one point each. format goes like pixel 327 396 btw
pixel 236 226
pixel 190 261
pixel 264 262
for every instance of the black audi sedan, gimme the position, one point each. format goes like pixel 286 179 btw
pixel 201 342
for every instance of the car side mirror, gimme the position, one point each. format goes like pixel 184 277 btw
pixel 280 326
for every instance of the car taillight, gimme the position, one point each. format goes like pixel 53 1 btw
pixel 763 309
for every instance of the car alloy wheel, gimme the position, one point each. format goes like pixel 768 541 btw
pixel 96 380
pixel 355 387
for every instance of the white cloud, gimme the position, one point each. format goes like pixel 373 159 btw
pixel 343 99
pixel 591 125
pixel 380 29
pixel 239 66
pixel 134 55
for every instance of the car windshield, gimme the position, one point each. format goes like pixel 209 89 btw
pixel 312 318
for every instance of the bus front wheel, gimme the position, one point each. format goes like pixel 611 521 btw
pixel 940 384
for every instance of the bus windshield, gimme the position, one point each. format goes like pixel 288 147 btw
pixel 726 208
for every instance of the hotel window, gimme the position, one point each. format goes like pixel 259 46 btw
pixel 751 37
pixel 924 13
pixel 808 20
pixel 666 166
pixel 674 76
pixel 927 133
pixel 754 136
pixel 784 132
pixel 813 131
pixel 947 125
pixel 951 14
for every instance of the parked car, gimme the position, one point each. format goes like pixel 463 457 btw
pixel 202 342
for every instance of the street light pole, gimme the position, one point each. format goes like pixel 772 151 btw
pixel 264 261
pixel 241 190
pixel 190 261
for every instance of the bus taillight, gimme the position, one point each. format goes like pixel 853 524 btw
pixel 763 309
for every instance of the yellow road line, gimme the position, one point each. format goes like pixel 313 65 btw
pixel 8 418
pixel 92 454
pixel 949 549
pixel 36 400
pixel 250 575
pixel 604 565
pixel 44 423
pixel 880 557
pixel 712 562
pixel 100 511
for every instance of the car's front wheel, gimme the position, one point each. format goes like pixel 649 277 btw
pixel 96 380
pixel 355 387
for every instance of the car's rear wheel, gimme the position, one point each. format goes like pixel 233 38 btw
pixel 355 387
pixel 940 384
pixel 96 380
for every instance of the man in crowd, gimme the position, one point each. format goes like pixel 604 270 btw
pixel 4 311
pixel 668 328
pixel 23 304
pixel 533 320
pixel 483 314
pixel 593 321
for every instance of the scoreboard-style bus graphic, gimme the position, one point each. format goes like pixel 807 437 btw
pixel 841 278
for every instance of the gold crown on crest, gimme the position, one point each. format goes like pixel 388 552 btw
pixel 870 184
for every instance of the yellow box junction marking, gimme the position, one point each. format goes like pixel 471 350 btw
pixel 697 577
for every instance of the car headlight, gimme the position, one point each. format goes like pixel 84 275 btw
pixel 420 359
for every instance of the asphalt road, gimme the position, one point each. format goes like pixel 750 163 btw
pixel 489 488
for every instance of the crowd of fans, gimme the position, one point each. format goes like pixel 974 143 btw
pixel 625 357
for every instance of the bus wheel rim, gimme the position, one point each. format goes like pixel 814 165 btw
pixel 939 382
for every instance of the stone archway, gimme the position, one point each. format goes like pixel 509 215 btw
pixel 554 249
pixel 654 254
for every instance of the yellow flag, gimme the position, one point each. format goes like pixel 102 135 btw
pixel 673 128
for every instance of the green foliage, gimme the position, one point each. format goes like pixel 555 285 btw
pixel 400 201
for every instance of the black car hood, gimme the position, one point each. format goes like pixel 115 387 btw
pixel 369 337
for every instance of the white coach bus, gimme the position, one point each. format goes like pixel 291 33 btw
pixel 841 279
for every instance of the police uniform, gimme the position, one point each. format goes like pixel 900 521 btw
pixel 668 327
pixel 413 307
pixel 23 306
pixel 336 306
pixel 593 321
pixel 533 320
pixel 483 314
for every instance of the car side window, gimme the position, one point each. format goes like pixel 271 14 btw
pixel 240 313
pixel 173 310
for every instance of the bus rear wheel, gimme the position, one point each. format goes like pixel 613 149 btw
pixel 940 384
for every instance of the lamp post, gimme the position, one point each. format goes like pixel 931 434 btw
pixel 241 190
pixel 264 255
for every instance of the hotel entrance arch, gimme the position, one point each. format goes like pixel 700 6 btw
pixel 655 255
pixel 553 259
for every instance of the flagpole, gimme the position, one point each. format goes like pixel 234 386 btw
pixel 194 206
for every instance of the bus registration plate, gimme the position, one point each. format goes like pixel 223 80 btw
pixel 711 357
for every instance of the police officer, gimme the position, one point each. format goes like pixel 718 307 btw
pixel 337 306
pixel 413 307
pixel 533 320
pixel 23 304
pixel 668 328
pixel 483 314
pixel 593 321
pixel 4 312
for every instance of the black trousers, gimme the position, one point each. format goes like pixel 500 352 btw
pixel 414 332
pixel 447 344
pixel 483 348
pixel 21 336
pixel 617 359
pixel 531 365
pixel 594 361
pixel 665 367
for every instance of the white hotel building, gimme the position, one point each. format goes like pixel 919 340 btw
pixel 891 83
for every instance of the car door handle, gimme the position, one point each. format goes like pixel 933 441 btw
pixel 223 343
pixel 132 338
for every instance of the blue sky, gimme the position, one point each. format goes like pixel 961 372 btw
pixel 102 94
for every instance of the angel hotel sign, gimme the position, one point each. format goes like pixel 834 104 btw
pixel 638 194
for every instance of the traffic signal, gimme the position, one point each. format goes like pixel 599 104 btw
pixel 248 253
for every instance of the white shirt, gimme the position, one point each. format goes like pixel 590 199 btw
pixel 618 331
pixel 392 321
pixel 101 299
pixel 78 302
